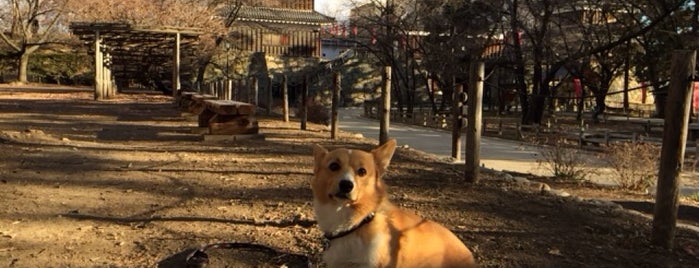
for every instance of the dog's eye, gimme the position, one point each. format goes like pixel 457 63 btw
pixel 334 166
pixel 361 172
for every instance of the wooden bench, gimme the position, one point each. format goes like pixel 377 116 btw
pixel 184 100
pixel 606 138
pixel 197 105
pixel 522 129
pixel 227 117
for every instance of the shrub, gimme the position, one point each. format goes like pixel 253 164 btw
pixel 318 113
pixel 693 197
pixel 564 161
pixel 635 164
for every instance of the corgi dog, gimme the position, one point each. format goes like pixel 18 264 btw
pixel 363 228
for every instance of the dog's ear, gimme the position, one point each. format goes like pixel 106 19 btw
pixel 318 154
pixel 383 154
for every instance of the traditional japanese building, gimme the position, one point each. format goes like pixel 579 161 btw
pixel 288 28
pixel 275 37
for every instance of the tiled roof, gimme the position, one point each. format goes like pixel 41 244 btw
pixel 282 15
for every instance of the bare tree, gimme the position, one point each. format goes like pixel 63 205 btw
pixel 597 23
pixel 656 45
pixel 547 51
pixel 426 40
pixel 28 25
pixel 453 42
pixel 204 15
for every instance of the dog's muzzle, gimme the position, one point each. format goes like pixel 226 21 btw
pixel 345 187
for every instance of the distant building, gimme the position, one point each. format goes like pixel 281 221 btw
pixel 277 28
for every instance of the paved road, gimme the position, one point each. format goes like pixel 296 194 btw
pixel 498 154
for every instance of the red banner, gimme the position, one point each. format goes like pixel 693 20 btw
pixel 696 97
pixel 577 85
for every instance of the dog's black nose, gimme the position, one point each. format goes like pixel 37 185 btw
pixel 346 186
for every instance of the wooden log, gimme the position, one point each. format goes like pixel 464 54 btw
pixel 228 107
pixel 197 105
pixel 204 116
pixel 185 100
pixel 220 124
pixel 672 152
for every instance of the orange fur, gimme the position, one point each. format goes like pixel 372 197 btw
pixel 395 237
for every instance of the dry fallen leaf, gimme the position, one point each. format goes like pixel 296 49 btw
pixel 555 251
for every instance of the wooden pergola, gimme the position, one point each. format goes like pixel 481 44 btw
pixel 123 52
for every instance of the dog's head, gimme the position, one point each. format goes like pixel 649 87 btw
pixel 345 176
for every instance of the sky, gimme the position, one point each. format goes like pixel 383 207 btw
pixel 335 8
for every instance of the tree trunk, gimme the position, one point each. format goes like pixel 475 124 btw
pixel 600 106
pixel 659 94
pixel 201 70
pixel 337 86
pixel 385 106
pixel 429 85
pixel 660 99
pixel 397 88
pixel 22 70
pixel 672 152
pixel 538 101
pixel 412 91
pixel 519 63
pixel 581 104
pixel 473 127
pixel 23 63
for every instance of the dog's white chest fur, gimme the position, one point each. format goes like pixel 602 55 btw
pixel 350 250
pixel 332 219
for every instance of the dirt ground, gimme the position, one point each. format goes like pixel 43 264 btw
pixel 126 183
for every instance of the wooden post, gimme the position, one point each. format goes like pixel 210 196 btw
pixel 217 89
pixel 105 76
pixel 627 67
pixel 235 93
pixel 254 90
pixel 244 90
pixel 385 105
pixel 99 94
pixel 222 90
pixel 223 95
pixel 176 66
pixel 229 89
pixel 285 96
pixel 457 122
pixel 335 103
pixel 304 104
pixel 473 126
pixel 270 99
pixel 672 152
pixel 110 79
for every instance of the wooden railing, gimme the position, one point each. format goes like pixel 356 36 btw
pixel 419 116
